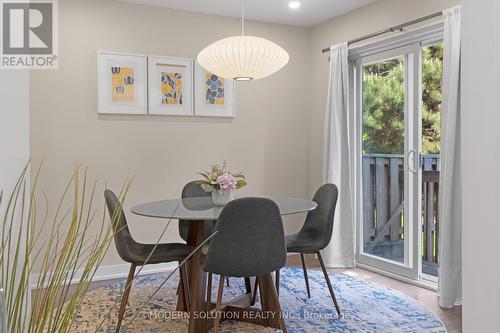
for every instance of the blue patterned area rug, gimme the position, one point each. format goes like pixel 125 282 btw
pixel 366 307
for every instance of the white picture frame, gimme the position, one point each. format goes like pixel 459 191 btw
pixel 205 107
pixel 121 83
pixel 176 75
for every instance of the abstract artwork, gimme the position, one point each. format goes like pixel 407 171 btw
pixel 214 86
pixel 214 95
pixel 121 83
pixel 170 86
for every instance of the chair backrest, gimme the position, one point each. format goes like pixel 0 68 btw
pixel 250 240
pixel 319 222
pixel 192 190
pixel 123 239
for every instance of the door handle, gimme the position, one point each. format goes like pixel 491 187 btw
pixel 412 153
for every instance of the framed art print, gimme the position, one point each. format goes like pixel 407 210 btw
pixel 214 95
pixel 121 83
pixel 170 86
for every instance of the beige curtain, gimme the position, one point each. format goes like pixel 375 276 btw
pixel 450 200
pixel 337 157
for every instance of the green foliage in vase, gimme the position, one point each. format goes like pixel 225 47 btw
pixel 221 178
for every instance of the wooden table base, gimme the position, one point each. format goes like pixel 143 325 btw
pixel 241 309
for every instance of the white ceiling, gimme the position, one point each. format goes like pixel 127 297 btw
pixel 310 13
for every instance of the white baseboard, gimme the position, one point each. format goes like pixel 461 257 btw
pixel 115 272
pixel 112 272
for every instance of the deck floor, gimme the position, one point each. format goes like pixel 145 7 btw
pixel 394 251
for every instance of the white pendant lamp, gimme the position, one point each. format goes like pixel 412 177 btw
pixel 243 58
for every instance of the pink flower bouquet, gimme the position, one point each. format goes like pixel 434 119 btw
pixel 220 178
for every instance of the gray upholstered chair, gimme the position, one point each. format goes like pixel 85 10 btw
pixel 316 234
pixel 194 190
pixel 137 254
pixel 249 242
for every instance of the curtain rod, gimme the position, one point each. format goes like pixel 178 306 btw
pixel 391 29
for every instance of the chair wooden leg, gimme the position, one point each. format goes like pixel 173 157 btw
pixel 327 278
pixel 185 285
pixel 209 299
pixel 126 293
pixel 304 268
pixel 181 299
pixel 277 281
pixel 263 300
pixel 277 306
pixel 227 282
pixel 218 305
pixel 255 290
pixel 248 285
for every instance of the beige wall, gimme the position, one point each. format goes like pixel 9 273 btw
pixel 267 139
pixel 276 137
pixel 480 160
pixel 374 17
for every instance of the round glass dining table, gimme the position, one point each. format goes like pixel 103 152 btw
pixel 198 211
pixel 202 208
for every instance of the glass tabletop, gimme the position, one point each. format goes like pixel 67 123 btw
pixel 203 208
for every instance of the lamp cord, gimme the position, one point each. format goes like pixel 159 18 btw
pixel 242 20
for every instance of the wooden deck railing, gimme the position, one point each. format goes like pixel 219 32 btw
pixel 383 208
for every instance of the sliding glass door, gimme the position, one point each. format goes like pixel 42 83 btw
pixel 388 161
pixel 397 98
pixel 431 87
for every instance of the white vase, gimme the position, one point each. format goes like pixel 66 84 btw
pixel 221 197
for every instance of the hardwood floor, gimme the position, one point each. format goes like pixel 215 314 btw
pixel 451 318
